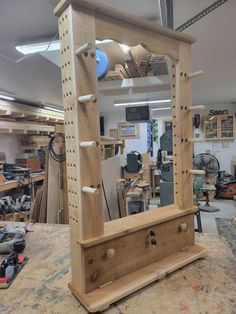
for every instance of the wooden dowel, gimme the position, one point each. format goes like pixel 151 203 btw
pixel 87 98
pixel 195 171
pixel 200 107
pixel 195 74
pixel 84 48
pixel 111 253
pixel 88 144
pixel 196 139
pixel 87 189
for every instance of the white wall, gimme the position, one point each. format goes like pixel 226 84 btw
pixel 223 150
pixel 110 122
pixel 9 145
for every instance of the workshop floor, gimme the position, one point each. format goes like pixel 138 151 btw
pixel 227 210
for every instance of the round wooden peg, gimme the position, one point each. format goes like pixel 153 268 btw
pixel 183 226
pixel 111 253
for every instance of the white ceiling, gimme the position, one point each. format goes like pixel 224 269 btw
pixel 37 79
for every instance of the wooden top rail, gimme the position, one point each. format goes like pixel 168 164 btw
pixel 123 17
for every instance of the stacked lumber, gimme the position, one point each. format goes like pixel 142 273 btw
pixel 132 66
pixel 119 74
pixel 139 63
pixel 113 76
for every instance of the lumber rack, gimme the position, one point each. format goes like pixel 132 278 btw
pixel 111 260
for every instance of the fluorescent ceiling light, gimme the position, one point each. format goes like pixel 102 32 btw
pixel 53 109
pixel 48 46
pixel 39 47
pixel 7 97
pixel 105 41
pixel 159 109
pixel 142 102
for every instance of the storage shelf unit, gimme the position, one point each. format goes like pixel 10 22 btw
pixel 219 127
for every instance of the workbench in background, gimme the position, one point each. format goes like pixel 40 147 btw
pixel 9 185
pixel 205 286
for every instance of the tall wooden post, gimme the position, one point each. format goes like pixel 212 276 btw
pixel 182 128
pixel 81 124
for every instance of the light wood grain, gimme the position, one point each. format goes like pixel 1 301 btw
pixel 123 17
pixel 102 298
pixel 42 286
pixel 134 251
pixel 89 236
pixel 182 127
pixel 120 227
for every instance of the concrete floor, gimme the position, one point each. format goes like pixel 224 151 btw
pixel 227 210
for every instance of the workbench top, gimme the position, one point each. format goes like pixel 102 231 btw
pixel 205 286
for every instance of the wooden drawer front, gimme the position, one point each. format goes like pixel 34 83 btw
pixel 134 251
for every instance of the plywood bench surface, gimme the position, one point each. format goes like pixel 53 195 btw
pixel 205 286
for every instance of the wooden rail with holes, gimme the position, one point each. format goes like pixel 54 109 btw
pixel 111 260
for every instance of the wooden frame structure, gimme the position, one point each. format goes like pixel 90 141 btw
pixel 113 259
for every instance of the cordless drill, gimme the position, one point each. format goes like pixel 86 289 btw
pixel 11 239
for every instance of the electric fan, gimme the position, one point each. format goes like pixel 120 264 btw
pixel 211 166
pixel 208 163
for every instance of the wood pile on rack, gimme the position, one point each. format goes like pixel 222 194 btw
pixel 22 119
pixel 30 142
pixel 139 62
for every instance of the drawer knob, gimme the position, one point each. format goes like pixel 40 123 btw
pixel 111 253
pixel 183 226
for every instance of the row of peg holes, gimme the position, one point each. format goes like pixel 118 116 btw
pixel 69 122
pixel 70 151
pixel 67 94
pixel 65 64
pixel 174 125
pixel 72 218
pixel 66 80
pixel 73 206
pixel 71 165
pixel 72 192
pixel 63 18
pixel 68 109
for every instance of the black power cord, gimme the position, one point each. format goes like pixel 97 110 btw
pixel 55 156
pixel 108 209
